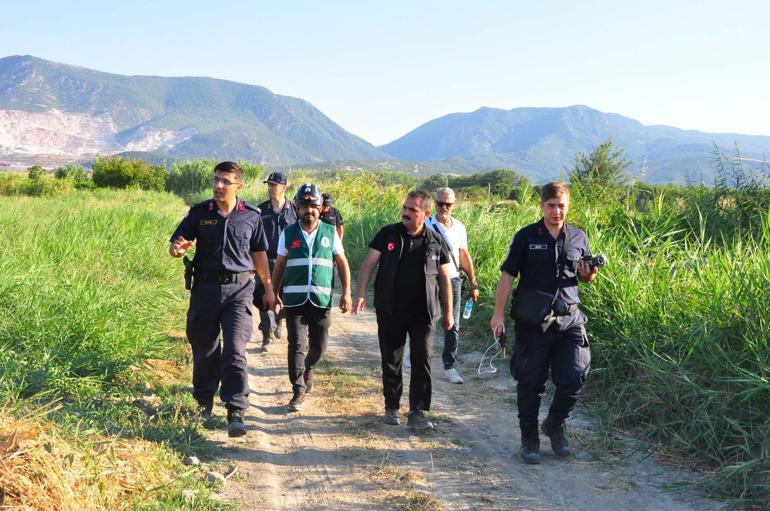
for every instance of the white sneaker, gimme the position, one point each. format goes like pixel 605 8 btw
pixel 453 375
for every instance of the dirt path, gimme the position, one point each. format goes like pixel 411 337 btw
pixel 336 454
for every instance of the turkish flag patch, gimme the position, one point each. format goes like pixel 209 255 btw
pixel 296 244
pixel 391 246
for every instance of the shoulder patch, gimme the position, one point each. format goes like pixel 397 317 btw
pixel 250 206
pixel 204 204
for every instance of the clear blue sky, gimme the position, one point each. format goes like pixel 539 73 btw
pixel 380 69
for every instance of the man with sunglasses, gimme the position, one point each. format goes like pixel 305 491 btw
pixel 230 247
pixel 456 238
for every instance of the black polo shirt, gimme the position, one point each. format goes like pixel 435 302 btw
pixel 409 288
pixel 534 255
pixel 224 243
pixel 275 222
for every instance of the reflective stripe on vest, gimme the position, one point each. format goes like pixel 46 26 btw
pixel 309 276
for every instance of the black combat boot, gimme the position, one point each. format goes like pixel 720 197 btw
pixel 530 443
pixel 235 425
pixel 554 429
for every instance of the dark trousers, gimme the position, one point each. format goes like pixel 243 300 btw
pixel 392 330
pixel 563 350
pixel 452 336
pixel 264 318
pixel 224 308
pixel 307 328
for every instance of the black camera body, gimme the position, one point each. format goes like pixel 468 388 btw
pixel 596 261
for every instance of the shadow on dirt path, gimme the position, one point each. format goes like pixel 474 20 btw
pixel 337 454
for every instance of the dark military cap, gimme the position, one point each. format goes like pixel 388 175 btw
pixel 328 199
pixel 276 177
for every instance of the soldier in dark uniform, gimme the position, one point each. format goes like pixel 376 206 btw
pixel 413 268
pixel 277 214
pixel 559 342
pixel 331 215
pixel 230 246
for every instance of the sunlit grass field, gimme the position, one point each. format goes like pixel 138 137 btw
pixel 89 298
pixel 679 333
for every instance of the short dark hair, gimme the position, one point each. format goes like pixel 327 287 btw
pixel 426 200
pixel 229 166
pixel 554 189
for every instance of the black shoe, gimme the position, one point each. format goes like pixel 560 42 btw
pixel 554 429
pixel 267 343
pixel 295 404
pixel 308 376
pixel 530 449
pixel 391 417
pixel 206 409
pixel 416 420
pixel 235 425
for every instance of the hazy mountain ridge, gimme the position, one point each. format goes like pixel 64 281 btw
pixel 185 117
pixel 542 142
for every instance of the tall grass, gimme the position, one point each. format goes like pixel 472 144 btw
pixel 677 320
pixel 89 296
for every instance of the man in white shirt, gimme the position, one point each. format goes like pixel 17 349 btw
pixel 456 238
pixel 303 270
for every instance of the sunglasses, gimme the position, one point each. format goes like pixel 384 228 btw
pixel 445 204
pixel 225 182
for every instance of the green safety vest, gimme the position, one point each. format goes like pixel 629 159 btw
pixel 300 264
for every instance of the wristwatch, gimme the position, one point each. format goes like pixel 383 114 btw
pixel 474 286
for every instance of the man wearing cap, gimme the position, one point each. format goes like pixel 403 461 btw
pixel 456 237
pixel 277 214
pixel 332 215
pixel 303 272
pixel 230 246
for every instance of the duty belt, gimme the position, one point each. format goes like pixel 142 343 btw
pixel 221 277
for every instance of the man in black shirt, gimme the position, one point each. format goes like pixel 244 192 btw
pixel 548 258
pixel 332 215
pixel 413 267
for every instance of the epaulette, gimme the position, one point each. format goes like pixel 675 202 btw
pixel 205 204
pixel 251 206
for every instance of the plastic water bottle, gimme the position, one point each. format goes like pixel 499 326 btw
pixel 468 309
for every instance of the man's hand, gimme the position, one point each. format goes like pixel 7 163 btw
pixel 269 299
pixel 587 274
pixel 447 322
pixel 495 324
pixel 179 246
pixel 358 306
pixel 475 294
pixel 278 304
pixel 345 303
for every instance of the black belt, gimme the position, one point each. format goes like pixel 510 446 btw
pixel 221 277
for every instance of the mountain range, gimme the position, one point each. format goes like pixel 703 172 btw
pixel 51 112
pixel 56 109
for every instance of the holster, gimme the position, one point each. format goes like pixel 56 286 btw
pixel 189 270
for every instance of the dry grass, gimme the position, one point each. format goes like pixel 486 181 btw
pixel 40 470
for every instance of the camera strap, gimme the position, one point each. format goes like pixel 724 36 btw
pixel 560 266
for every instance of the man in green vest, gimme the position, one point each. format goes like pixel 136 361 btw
pixel 307 251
